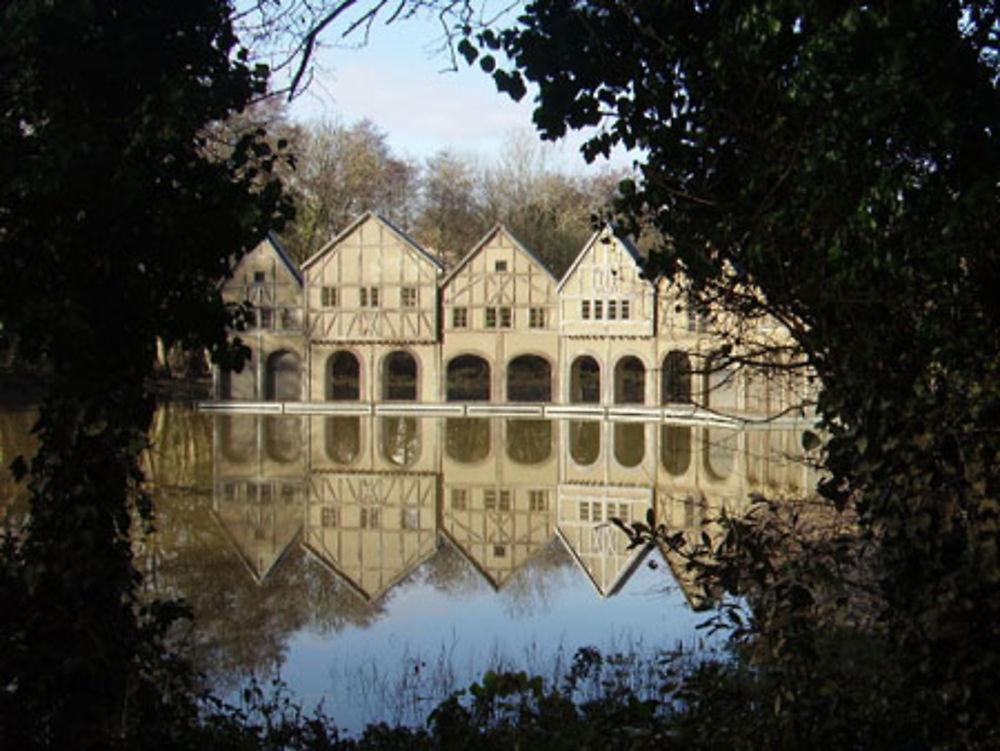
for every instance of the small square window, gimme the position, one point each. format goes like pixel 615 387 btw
pixel 459 497
pixel 329 516
pixel 408 297
pixel 265 318
pixel 500 266
pixel 410 518
pixel 499 551
pixel 258 277
pixel 506 318
pixel 328 297
pixel 598 309
pixel 585 309
pixel 369 518
pixel 459 318
pixel 538 500
pixel 536 318
pixel 505 500
pixel 612 310
pixel 491 318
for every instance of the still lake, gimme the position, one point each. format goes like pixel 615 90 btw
pixel 375 564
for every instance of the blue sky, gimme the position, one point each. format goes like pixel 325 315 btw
pixel 398 81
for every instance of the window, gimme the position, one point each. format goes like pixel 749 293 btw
pixel 585 309
pixel 265 493
pixel 373 296
pixel 363 297
pixel 369 518
pixel 499 551
pixel 598 310
pixel 505 318
pixel 329 516
pixel 623 512
pixel 536 318
pixel 538 500
pixel 368 297
pixel 265 317
pixel 410 518
pixel 328 297
pixel 584 511
pixel 459 318
pixel 505 500
pixel 258 277
pixel 408 297
pixel 490 500
pixel 625 310
pixel 612 310
pixel 491 318
pixel 500 266
pixel 459 498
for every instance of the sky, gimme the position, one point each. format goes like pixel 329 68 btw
pixel 398 80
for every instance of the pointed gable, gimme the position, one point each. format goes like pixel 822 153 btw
pixel 372 282
pixel 604 293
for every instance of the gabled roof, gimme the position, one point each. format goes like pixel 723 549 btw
pixel 497 228
pixel 283 255
pixel 629 246
pixel 620 577
pixel 400 235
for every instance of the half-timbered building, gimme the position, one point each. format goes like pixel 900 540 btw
pixel 372 316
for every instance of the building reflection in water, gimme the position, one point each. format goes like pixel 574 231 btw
pixel 373 497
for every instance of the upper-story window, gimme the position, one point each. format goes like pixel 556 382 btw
pixel 408 297
pixel 265 318
pixel 328 297
pixel 598 309
pixel 368 297
pixel 459 318
pixel 491 318
pixel 612 310
pixel 500 266
pixel 585 310
pixel 626 311
pixel 536 318
pixel 258 277
pixel 506 318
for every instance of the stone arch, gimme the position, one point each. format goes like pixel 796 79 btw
pixel 585 441
pixel 283 438
pixel 720 384
pixel 400 440
pixel 529 379
pixel 400 376
pixel 468 379
pixel 720 452
pixel 675 378
pixel 343 377
pixel 630 380
pixel 529 441
pixel 585 380
pixel 342 439
pixel 467 439
pixel 241 385
pixel 675 448
pixel 630 443
pixel 283 377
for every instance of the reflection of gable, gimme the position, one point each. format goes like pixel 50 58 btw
pixel 594 542
pixel 371 529
pixel 261 531
pixel 498 542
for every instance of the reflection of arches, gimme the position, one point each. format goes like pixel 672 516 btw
pixel 584 442
pixel 237 437
pixel 283 438
pixel 529 379
pixel 468 379
pixel 283 377
pixel 467 440
pixel 676 378
pixel 400 440
pixel 399 376
pixel 343 377
pixel 675 448
pixel 630 381
pixel 585 381
pixel 630 443
pixel 342 436
pixel 720 451
pixel 529 441
pixel 242 385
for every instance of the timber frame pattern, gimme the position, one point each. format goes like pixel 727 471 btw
pixel 374 323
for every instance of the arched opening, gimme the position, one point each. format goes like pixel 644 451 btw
pixel 529 441
pixel 283 380
pixel 675 448
pixel 529 379
pixel 399 377
pixel 630 443
pixel 241 385
pixel 237 437
pixel 468 379
pixel 585 381
pixel 400 440
pixel 343 377
pixel 675 385
pixel 467 440
pixel 283 438
pixel 342 439
pixel 584 442
pixel 630 381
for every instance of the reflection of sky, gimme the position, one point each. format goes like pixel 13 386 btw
pixel 474 628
